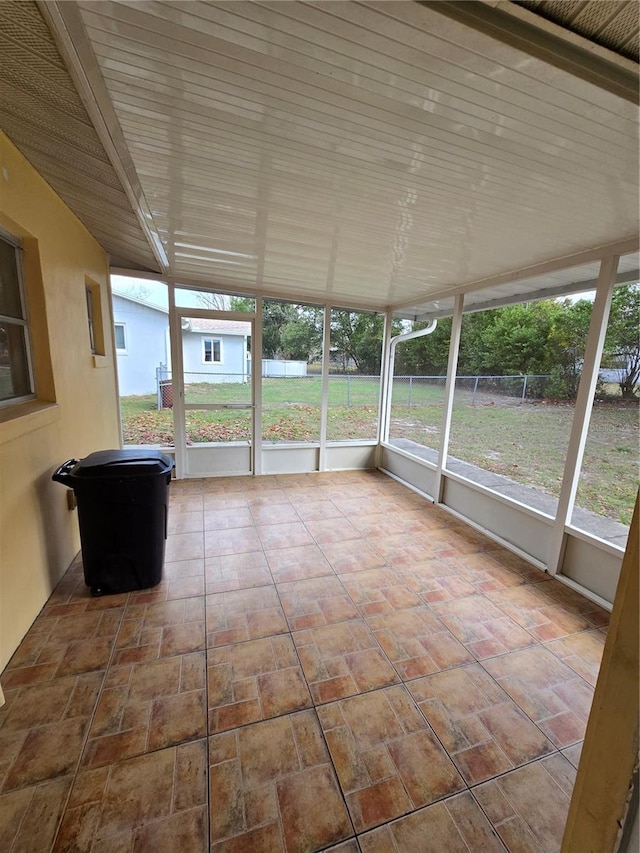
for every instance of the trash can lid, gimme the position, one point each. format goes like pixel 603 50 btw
pixel 123 463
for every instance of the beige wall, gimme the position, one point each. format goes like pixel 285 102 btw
pixel 77 410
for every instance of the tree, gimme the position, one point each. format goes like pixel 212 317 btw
pixel 622 343
pixel 214 301
pixel 357 337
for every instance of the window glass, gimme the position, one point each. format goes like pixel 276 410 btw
pixel 354 375
pixel 417 398
pixel 212 351
pixel 518 374
pixel 608 481
pixel 15 376
pixel 10 302
pixel 292 336
pixel 213 301
pixel 145 379
pixel 121 343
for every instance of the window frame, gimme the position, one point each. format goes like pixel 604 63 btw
pixel 204 351
pixel 22 321
pixel 120 350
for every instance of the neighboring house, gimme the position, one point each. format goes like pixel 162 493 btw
pixel 142 343
pixel 211 348
pixel 217 348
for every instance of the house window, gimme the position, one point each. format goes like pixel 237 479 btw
pixel 94 317
pixel 211 350
pixel 120 336
pixel 16 381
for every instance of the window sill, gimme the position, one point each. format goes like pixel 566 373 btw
pixel 17 421
pixel 100 361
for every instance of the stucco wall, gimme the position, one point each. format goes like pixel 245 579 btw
pixel 77 411
pixel 146 344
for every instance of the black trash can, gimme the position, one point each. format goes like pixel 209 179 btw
pixel 122 498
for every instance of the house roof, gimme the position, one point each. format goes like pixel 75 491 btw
pixel 195 324
pixel 371 154
pixel 222 327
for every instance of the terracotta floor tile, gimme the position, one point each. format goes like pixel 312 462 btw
pixel 403 550
pixel 549 692
pixel 227 519
pixel 314 602
pixel 292 534
pixel 353 555
pixel 29 817
pixel 316 510
pixel 62 643
pixel 150 802
pixel 576 603
pixel 331 530
pixel 237 571
pixel 378 591
pixel 273 789
pixel 184 546
pixel 532 608
pixel 483 628
pixel 342 660
pixel 573 753
pixel 388 521
pixel 435 581
pixel 171 589
pixel 254 681
pixel 295 564
pixel 387 758
pixel 282 513
pixel 244 614
pixel 148 706
pixel 185 522
pixel 528 806
pixel 582 652
pixel 180 569
pixel 42 728
pixel 455 825
pixel 239 540
pixel 186 503
pixel 482 729
pixel 416 642
pixel 160 629
pixel 127 687
pixel 217 501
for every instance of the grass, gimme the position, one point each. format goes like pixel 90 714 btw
pixel 526 443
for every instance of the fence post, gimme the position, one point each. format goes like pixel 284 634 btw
pixel 158 389
pixel 475 388
pixel 410 387
pixel 524 389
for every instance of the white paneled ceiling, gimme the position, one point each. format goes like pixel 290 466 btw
pixel 377 154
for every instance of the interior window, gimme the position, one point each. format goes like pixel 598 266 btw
pixel 16 381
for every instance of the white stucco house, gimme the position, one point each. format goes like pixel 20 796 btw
pixel 212 350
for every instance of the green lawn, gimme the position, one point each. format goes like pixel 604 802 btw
pixel 525 442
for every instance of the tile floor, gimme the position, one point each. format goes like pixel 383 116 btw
pixel 329 663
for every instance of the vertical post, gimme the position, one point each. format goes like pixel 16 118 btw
pixel 177 382
pixel 256 388
pixel 449 388
pixel 409 396
pixel 475 391
pixel 582 410
pixel 348 391
pixel 384 402
pixel 324 410
pixel 524 388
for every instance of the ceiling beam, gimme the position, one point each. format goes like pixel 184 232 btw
pixel 553 44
